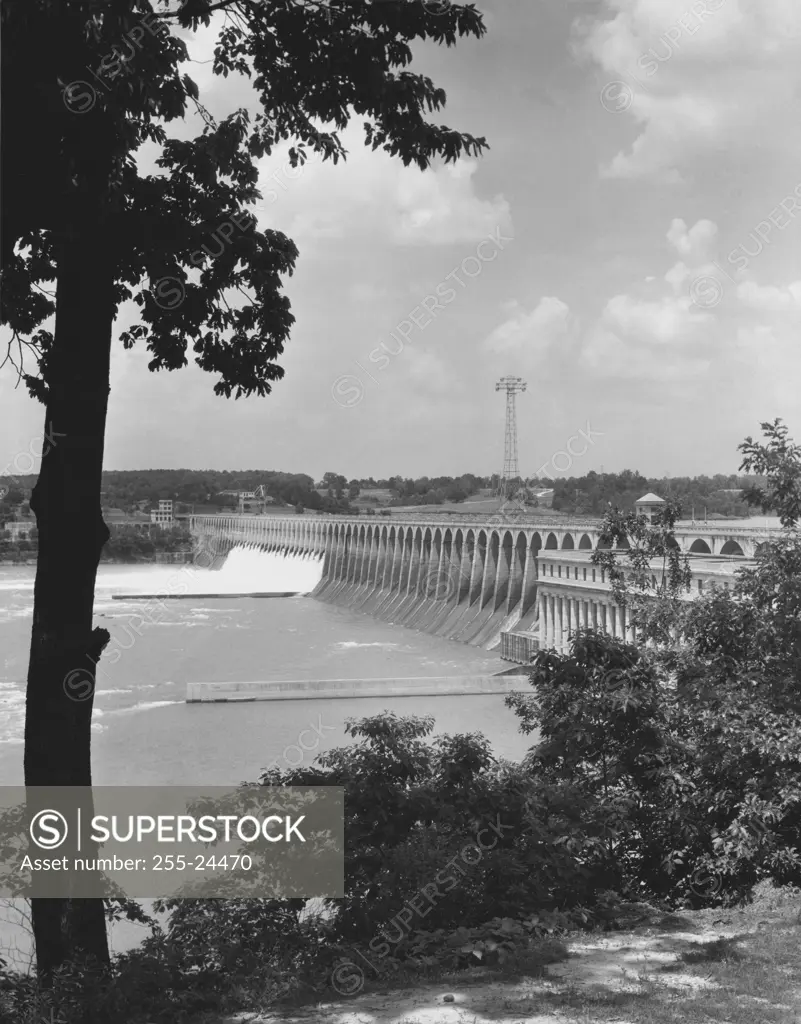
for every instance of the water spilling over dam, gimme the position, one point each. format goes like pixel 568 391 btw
pixel 467 578
pixel 461 584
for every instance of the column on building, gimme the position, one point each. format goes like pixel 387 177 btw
pixel 554 620
pixel 543 634
pixel 564 621
pixel 543 598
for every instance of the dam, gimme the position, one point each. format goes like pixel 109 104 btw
pixel 477 579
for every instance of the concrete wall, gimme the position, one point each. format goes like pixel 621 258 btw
pixel 433 686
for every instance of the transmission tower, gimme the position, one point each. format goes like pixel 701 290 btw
pixel 511 472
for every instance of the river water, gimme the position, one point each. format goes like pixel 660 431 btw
pixel 145 733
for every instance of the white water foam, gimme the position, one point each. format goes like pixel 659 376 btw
pixel 247 570
pixel 347 644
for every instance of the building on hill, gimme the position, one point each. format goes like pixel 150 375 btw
pixel 117 517
pixel 648 504
pixel 374 496
pixel 163 515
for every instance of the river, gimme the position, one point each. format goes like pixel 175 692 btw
pixel 145 733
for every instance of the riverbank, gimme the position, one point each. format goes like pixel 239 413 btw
pixel 168 558
pixel 737 965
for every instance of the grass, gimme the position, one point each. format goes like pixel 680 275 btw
pixel 750 974
pixel 754 978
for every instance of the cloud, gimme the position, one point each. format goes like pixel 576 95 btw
pixel 697 78
pixel 607 354
pixel 668 320
pixel 527 334
pixel 695 244
pixel 654 332
pixel 373 195
pixel 770 298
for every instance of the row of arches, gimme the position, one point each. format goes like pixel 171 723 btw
pixel 318 534
pixel 468 582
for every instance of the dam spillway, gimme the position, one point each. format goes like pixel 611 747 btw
pixel 466 578
pixel 460 583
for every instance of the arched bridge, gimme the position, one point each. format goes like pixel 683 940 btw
pixel 464 578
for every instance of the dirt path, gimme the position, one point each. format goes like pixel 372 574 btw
pixel 659 951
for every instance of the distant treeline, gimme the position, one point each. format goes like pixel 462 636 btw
pixel 125 489
pixel 705 495
pixel 126 544
pixel 587 495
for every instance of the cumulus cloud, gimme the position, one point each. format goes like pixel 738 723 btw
pixel 527 334
pixel 668 320
pixel 374 195
pixel 695 244
pixel 697 77
pixel 770 298
pixel 609 355
pixel 654 331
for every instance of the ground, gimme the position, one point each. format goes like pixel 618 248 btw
pixel 715 966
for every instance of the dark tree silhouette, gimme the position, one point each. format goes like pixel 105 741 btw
pixel 86 83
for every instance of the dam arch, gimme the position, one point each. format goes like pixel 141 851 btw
pixel 482 575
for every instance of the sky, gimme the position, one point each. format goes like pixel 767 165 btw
pixel 630 246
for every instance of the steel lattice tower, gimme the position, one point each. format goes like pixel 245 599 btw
pixel 511 471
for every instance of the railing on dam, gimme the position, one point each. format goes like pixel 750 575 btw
pixel 449 577
pixel 496 519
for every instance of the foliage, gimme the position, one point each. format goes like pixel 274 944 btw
pixel 413 806
pixel 725 790
pixel 656 577
pixel 178 240
pixel 606 761
pixel 670 779
pixel 308 69
pixel 128 544
pixel 594 493
pixel 779 461
pixel 589 495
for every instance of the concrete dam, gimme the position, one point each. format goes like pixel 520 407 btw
pixel 456 582
pixel 467 578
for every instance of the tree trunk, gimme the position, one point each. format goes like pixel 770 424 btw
pixel 66 501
